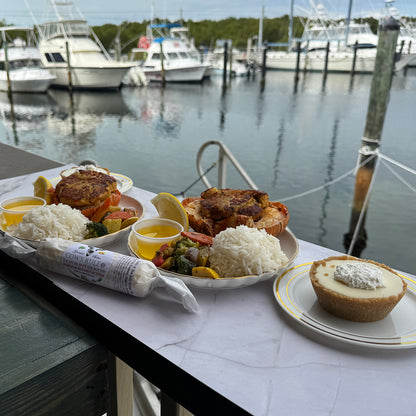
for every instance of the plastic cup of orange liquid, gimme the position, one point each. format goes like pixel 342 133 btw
pixel 150 234
pixel 12 210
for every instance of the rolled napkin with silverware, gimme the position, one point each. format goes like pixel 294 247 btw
pixel 112 270
pixel 101 267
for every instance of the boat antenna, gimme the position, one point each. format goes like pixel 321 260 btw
pixel 260 39
pixel 34 19
pixel 347 31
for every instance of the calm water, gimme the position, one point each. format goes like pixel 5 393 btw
pixel 288 139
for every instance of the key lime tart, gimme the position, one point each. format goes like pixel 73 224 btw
pixel 356 289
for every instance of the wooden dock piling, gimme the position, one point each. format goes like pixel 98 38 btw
pixel 298 50
pixel 68 60
pixel 356 238
pixel 263 66
pixel 354 58
pixel 162 64
pixel 224 71
pixel 326 59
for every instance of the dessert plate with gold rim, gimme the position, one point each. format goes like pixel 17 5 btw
pixel 294 293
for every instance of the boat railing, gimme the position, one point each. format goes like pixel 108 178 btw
pixel 224 155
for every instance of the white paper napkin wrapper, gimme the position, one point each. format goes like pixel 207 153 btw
pixel 101 267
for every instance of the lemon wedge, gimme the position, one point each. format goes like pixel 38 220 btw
pixel 168 206
pixel 206 272
pixel 40 189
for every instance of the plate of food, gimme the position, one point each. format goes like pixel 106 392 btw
pixel 83 206
pixel 225 263
pixel 351 300
pixel 237 238
pixel 124 183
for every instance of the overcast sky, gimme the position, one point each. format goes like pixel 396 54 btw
pixel 98 12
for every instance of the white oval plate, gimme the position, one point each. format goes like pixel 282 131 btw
pixel 294 293
pixel 124 183
pixel 104 241
pixel 288 243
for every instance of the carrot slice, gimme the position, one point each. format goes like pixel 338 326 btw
pixel 115 198
pixel 101 210
pixel 200 238
pixel 89 212
pixel 119 214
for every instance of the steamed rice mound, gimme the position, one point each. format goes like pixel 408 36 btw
pixel 51 221
pixel 243 251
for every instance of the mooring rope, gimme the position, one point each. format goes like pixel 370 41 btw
pixel 325 185
pixel 398 176
pixel 182 194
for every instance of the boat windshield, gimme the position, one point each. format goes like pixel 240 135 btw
pixel 66 28
pixel 24 63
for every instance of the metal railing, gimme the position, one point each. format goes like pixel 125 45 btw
pixel 224 155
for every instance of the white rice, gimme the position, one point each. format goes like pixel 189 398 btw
pixel 51 221
pixel 245 251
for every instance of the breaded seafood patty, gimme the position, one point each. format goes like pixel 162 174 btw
pixel 85 188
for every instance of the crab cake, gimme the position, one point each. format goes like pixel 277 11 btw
pixel 85 188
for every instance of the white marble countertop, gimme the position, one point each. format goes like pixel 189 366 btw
pixel 244 347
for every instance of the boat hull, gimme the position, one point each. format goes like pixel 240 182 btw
pixel 26 80
pixel 184 74
pixel 90 77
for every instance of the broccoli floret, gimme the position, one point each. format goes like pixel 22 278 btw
pixel 184 265
pixel 182 245
pixel 96 229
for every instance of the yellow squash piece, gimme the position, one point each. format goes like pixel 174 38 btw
pixel 128 221
pixel 112 225
pixel 205 272
pixel 168 206
pixel 40 189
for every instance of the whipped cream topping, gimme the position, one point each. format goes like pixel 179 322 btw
pixel 359 275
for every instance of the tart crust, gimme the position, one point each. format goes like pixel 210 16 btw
pixel 354 308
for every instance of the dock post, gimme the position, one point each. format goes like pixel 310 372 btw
pixel 263 66
pixel 162 65
pixel 225 61
pixel 354 58
pixel 326 59
pixel 297 61
pixel 356 238
pixel 68 66
pixel 7 64
pixel 230 58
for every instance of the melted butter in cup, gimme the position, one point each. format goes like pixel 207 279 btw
pixel 151 234
pixel 13 209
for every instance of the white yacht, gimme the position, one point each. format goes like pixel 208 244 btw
pixel 343 38
pixel 172 55
pixel 20 64
pixel 72 51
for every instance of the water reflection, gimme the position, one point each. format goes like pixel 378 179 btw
pixel 329 177
pixel 79 113
pixel 23 112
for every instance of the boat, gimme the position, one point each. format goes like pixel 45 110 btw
pixel 20 64
pixel 73 52
pixel 167 58
pixel 215 58
pixel 352 46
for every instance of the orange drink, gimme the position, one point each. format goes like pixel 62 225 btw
pixel 152 233
pixel 14 209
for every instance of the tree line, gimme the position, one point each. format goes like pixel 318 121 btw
pixel 206 32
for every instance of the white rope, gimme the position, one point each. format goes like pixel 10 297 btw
pixel 398 176
pixel 363 210
pixel 400 165
pixel 325 185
